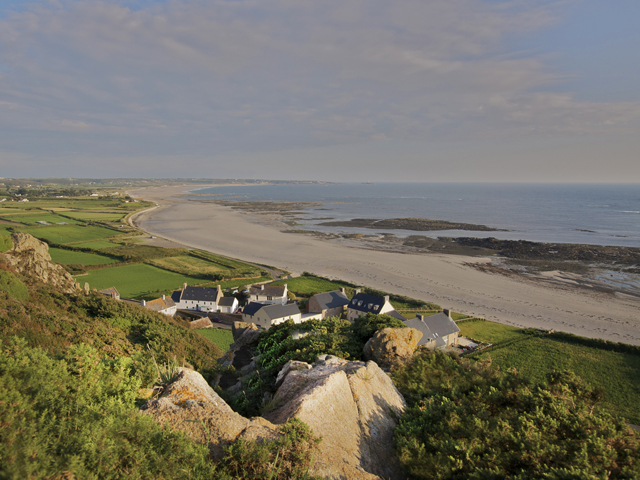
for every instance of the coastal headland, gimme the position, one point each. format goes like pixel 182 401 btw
pixel 468 283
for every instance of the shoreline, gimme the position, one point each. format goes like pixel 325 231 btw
pixel 466 284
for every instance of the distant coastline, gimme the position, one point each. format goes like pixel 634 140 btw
pixel 475 285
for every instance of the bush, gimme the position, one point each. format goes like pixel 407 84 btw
pixel 76 417
pixel 476 422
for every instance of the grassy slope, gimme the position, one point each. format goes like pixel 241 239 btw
pixel 618 374
pixel 67 257
pixel 135 281
pixel 222 338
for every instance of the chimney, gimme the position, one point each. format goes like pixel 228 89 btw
pixel 386 299
pixel 184 285
pixel 262 287
pixel 219 290
pixel 357 291
pixel 144 303
pixel 447 312
pixel 163 297
pixel 420 317
pixel 341 289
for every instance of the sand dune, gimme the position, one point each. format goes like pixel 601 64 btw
pixel 448 280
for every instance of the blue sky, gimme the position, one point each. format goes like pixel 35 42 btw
pixel 365 90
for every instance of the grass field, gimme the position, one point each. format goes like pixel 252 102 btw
pixel 222 338
pixel 188 264
pixel 96 216
pixel 67 257
pixel 33 218
pixel 64 234
pixel 97 244
pixel 617 374
pixel 308 285
pixel 137 281
pixel 490 332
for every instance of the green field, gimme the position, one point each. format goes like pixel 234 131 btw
pixel 221 337
pixel 188 264
pixel 97 245
pixel 309 285
pixel 68 257
pixel 535 355
pixel 69 233
pixel 489 332
pixel 96 216
pixel 33 218
pixel 137 281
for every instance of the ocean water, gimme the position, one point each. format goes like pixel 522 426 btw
pixel 555 213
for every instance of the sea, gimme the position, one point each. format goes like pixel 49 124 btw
pixel 592 214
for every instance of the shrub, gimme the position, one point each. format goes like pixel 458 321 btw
pixel 476 422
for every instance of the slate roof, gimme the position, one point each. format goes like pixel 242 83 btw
pixel 280 311
pixel 200 294
pixel 269 290
pixel 419 325
pixel 331 299
pixel 252 308
pixel 175 296
pixel 434 327
pixel 226 301
pixel 395 314
pixel 362 302
pixel 159 304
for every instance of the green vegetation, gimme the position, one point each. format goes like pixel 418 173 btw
pixel 12 285
pixel 83 424
pixel 221 337
pixel 96 245
pixel 96 216
pixel 68 257
pixel 614 368
pixel 39 216
pixel 472 421
pixel 5 241
pixel 65 234
pixel 202 265
pixel 137 280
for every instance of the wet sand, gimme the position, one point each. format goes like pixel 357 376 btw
pixel 448 280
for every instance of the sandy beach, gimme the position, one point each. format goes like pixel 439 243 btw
pixel 448 280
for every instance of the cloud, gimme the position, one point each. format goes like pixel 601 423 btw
pixel 203 77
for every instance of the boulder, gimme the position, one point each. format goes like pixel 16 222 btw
pixel 31 257
pixel 392 345
pixel 238 328
pixel 354 406
pixel 190 405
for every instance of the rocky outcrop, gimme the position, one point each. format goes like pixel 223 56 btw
pixel 190 405
pixel 354 406
pixel 392 345
pixel 30 256
pixel 242 351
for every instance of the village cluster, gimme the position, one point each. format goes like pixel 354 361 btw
pixel 268 305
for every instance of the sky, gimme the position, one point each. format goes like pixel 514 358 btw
pixel 335 90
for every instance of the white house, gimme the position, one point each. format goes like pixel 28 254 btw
pixel 363 304
pixel 268 294
pixel 266 316
pixel 228 304
pixel 163 305
pixel 202 299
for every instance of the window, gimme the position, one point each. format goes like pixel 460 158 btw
pixel 269 297
pixel 375 307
